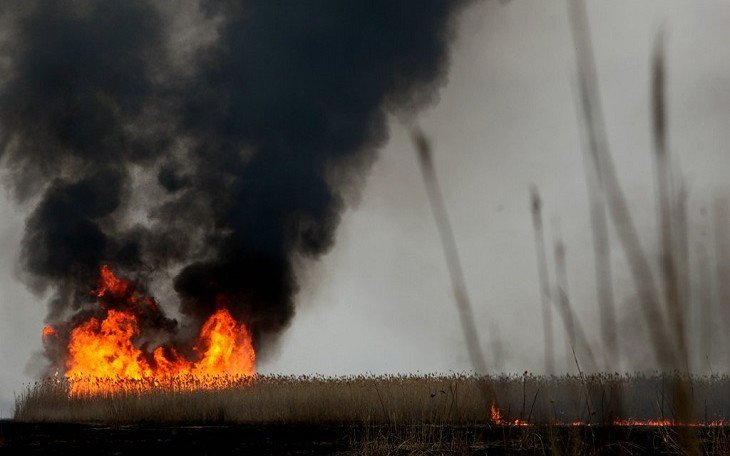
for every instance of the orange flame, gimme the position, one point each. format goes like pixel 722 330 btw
pixel 109 284
pixel 496 415
pixel 498 420
pixel 102 356
pixel 48 332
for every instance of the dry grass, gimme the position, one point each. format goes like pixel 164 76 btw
pixel 431 414
pixel 390 400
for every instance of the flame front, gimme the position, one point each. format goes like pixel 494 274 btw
pixel 498 420
pixel 102 356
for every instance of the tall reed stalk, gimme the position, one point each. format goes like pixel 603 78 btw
pixel 544 282
pixel 580 346
pixel 448 242
pixel 721 215
pixel 667 260
pixel 641 273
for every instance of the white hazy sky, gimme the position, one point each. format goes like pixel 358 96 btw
pixel 381 301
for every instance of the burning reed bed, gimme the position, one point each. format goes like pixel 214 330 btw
pixel 455 399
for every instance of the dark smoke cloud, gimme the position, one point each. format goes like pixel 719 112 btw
pixel 80 76
pixel 252 147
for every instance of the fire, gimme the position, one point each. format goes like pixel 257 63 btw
pixel 226 347
pixel 655 423
pixel 498 420
pixel 111 284
pixel 496 415
pixel 48 332
pixel 103 356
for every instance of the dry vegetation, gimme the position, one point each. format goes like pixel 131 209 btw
pixel 393 400
pixel 416 414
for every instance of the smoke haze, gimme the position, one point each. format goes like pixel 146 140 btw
pixel 380 300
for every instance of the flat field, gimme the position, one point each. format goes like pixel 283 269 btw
pixel 431 414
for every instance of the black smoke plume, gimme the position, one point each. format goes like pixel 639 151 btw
pixel 252 140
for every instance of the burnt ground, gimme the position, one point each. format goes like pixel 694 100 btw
pixel 63 438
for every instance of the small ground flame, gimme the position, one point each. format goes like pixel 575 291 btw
pixel 496 416
pixel 103 357
pixel 498 420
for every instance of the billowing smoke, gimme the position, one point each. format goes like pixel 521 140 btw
pixel 253 138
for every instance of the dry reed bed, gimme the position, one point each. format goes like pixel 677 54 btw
pixel 401 400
